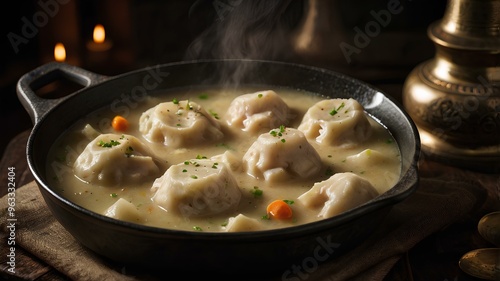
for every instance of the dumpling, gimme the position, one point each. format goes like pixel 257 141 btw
pixel 124 210
pixel 369 158
pixel 280 154
pixel 196 188
pixel 179 124
pixel 230 158
pixel 89 132
pixel 338 122
pixel 243 223
pixel 257 111
pixel 339 193
pixel 111 159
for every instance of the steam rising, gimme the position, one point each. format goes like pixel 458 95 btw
pixel 247 29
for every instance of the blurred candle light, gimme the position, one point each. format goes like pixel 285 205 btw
pixel 57 87
pixel 99 34
pixel 98 49
pixel 99 42
pixel 59 52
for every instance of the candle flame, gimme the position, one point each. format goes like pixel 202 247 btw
pixel 99 33
pixel 59 52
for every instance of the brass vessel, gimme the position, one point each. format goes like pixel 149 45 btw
pixel 454 98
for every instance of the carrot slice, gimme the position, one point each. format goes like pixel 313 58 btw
pixel 279 209
pixel 119 123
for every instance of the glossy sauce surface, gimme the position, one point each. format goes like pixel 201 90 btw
pixel 382 175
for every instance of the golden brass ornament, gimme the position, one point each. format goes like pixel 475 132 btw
pixel 454 98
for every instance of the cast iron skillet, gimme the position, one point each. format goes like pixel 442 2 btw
pixel 273 251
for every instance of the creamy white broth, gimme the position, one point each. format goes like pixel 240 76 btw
pixel 99 198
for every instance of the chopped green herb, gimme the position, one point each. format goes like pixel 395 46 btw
pixel 194 163
pixel 111 143
pixel 289 202
pixel 224 223
pixel 175 101
pixel 197 228
pixel 260 96
pixel 194 176
pixel 129 151
pixel 256 191
pixel 184 171
pixel 335 111
pixel 214 114
pixel 200 157
pixel 203 96
pixel 389 141
pixel 279 133
pixel 226 146
pixel 265 217
pixel 113 195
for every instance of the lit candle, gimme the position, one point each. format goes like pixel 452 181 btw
pixel 99 34
pixel 59 52
pixel 50 89
pixel 99 42
pixel 98 48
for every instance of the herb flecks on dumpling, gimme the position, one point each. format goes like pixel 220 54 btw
pixel 179 124
pixel 111 159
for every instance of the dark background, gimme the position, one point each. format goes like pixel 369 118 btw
pixel 149 32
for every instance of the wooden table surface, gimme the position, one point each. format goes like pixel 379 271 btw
pixel 435 258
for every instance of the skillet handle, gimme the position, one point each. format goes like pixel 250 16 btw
pixel 37 106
